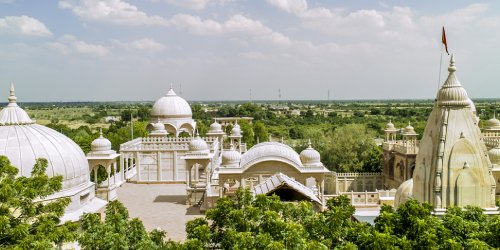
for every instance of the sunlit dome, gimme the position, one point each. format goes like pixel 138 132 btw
pixel 390 126
pixel 494 155
pixel 404 193
pixel 236 130
pixel 158 129
pixel 409 130
pixel 100 144
pixel 270 151
pixel 310 157
pixel 198 145
pixel 23 141
pixel 493 122
pixel 231 156
pixel 215 128
pixel 452 94
pixel 171 106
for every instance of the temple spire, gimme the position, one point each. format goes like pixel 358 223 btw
pixel 452 67
pixel 309 143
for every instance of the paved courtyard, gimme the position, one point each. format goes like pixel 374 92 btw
pixel 159 205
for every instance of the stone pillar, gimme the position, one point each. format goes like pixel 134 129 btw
pixel 138 166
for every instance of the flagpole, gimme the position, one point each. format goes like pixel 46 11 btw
pixel 440 65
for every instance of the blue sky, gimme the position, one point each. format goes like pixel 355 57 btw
pixel 108 50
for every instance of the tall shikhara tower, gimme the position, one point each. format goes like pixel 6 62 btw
pixel 452 166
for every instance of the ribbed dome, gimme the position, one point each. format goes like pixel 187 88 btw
pixel 390 125
pixel 158 129
pixel 23 142
pixel 215 127
pixel 231 156
pixel 493 122
pixel 404 193
pixel 472 106
pixel 452 93
pixel 270 151
pixel 171 106
pixel 100 144
pixel 236 131
pixel 409 130
pixel 310 157
pixel 13 114
pixel 494 155
pixel 198 145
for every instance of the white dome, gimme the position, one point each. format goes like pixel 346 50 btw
pixel 409 130
pixel 493 123
pixel 404 193
pixel 390 126
pixel 231 156
pixel 198 145
pixel 215 128
pixel 23 144
pixel 494 155
pixel 310 157
pixel 171 106
pixel 158 129
pixel 100 144
pixel 236 131
pixel 452 93
pixel 13 114
pixel 270 151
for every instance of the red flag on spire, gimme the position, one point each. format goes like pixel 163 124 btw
pixel 443 40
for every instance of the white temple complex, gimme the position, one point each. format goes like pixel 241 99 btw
pixel 454 164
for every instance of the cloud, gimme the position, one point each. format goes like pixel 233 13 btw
pixel 112 11
pixel 70 44
pixel 196 4
pixel 237 26
pixel 145 44
pixel 24 25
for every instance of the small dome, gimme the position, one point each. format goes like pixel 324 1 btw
pixel 409 130
pixel 215 127
pixel 13 114
pixel 231 156
pixel 390 125
pixel 452 93
pixel 310 157
pixel 494 155
pixel 493 122
pixel 404 193
pixel 198 145
pixel 236 131
pixel 158 128
pixel 171 106
pixel 100 144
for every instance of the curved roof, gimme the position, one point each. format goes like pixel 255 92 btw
pixel 270 151
pixel 404 192
pixel 310 156
pixel 23 142
pixel 171 106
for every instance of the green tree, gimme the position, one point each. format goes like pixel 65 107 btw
pixel 26 221
pixel 248 134
pixel 260 131
pixel 351 148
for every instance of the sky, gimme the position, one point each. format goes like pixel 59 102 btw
pixel 134 50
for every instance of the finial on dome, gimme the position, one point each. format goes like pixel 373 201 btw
pixel 231 146
pixel 282 140
pixel 171 86
pixel 12 97
pixel 309 143
pixel 100 133
pixel 270 137
pixel 452 67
